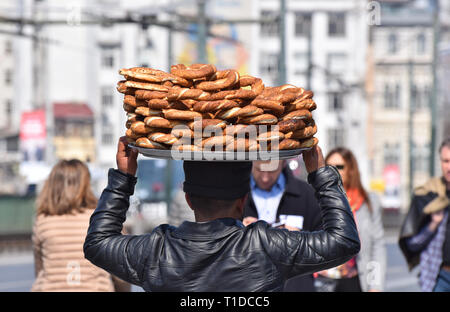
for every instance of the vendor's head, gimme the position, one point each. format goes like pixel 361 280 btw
pixel 444 153
pixel 266 173
pixel 216 189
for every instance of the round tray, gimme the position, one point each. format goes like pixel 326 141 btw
pixel 219 156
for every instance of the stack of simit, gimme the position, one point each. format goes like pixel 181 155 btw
pixel 198 108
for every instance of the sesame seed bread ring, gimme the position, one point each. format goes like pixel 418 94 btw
pixel 145 86
pixel 139 127
pixel 147 111
pixel 302 133
pixel 153 75
pixel 233 95
pixel 242 144
pixel 256 84
pixel 212 106
pixel 184 93
pixel 124 89
pixel 228 114
pixel 270 136
pixel 195 71
pixel 298 114
pixel 132 101
pixel 130 134
pixel 289 125
pixel 264 119
pixel 219 81
pixel 158 103
pixel 147 143
pixel 181 114
pixel 159 122
pixel 249 111
pixel 236 130
pixel 308 104
pixel 164 138
pixel 306 94
pixel 211 123
pixel 128 108
pixel 150 95
pixel 309 142
pixel 273 106
pixel 182 132
pixel 211 142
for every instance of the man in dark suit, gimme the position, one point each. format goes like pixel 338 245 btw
pixel 284 201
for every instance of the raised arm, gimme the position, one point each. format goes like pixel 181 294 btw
pixel 104 245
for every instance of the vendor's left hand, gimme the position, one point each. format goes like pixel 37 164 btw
pixel 126 157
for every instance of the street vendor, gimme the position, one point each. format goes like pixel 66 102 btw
pixel 217 252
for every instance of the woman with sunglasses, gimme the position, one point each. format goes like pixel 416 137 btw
pixel 366 271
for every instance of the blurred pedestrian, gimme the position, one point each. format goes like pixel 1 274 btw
pixel 425 234
pixel 64 207
pixel 282 200
pixel 366 271
pixel 217 252
pixel 179 210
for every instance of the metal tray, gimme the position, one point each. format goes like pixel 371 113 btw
pixel 219 156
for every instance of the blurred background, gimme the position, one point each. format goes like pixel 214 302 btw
pixel 379 71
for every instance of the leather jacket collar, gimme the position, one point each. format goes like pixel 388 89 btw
pixel 201 231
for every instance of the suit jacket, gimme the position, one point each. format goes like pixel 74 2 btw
pixel 298 199
pixel 222 254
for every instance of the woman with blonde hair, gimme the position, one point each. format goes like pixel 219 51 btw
pixel 366 271
pixel 64 207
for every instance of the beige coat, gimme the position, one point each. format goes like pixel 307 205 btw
pixel 59 259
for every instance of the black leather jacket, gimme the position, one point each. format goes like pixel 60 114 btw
pixel 219 255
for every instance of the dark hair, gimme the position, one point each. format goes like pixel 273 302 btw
pixel 445 143
pixel 209 206
pixel 354 177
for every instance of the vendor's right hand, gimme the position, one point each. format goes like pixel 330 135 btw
pixel 126 157
pixel 313 159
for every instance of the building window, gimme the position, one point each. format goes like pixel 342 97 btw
pixel 421 44
pixel 269 65
pixel 269 29
pixel 335 101
pixel 107 136
pixel 107 57
pixel 8 77
pixel 391 154
pixel 392 44
pixel 337 62
pixel 107 96
pixel 392 96
pixel 421 155
pixel 8 47
pixel 300 63
pixel 336 24
pixel 8 108
pixel 336 137
pixel 302 24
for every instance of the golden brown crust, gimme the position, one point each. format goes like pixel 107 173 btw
pixel 145 85
pixel 264 119
pixel 219 81
pixel 195 71
pixel 147 143
pixel 181 114
pixel 212 106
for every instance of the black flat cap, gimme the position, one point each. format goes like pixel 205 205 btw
pixel 216 179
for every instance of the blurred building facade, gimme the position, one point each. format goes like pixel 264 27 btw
pixel 400 93
pixel 326 52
